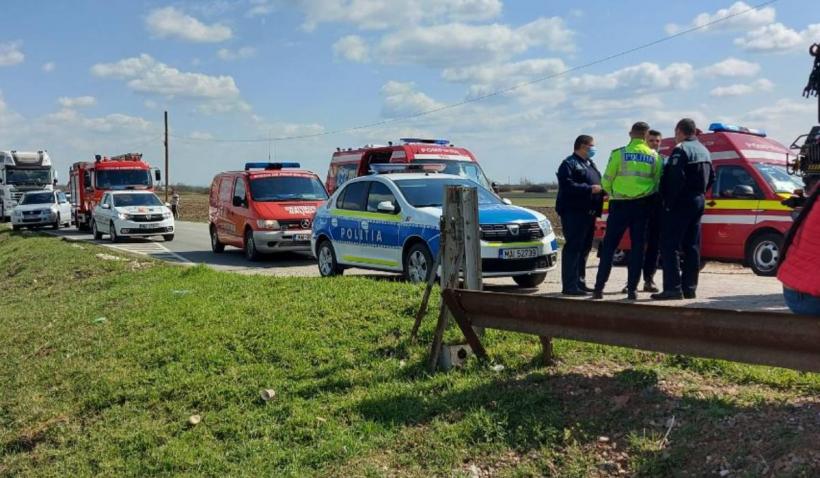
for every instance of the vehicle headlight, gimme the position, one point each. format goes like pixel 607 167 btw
pixel 545 226
pixel 166 215
pixel 124 216
pixel 267 224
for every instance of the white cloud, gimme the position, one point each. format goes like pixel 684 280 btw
pixel 49 67
pixel 383 14
pixel 77 102
pixel 738 20
pixel 638 78
pixel 783 108
pixel 239 54
pixel 778 37
pixel 459 44
pixel 261 8
pixel 732 67
pixel 10 53
pixel 401 99
pixel 115 122
pixel 502 72
pixel 612 108
pixel 352 48
pixel 172 22
pixel 146 75
pixel 743 88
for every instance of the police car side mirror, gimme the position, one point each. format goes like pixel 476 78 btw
pixel 105 206
pixel 386 206
pixel 506 201
pixel 743 191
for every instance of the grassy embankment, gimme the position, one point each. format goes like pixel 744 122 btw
pixel 102 363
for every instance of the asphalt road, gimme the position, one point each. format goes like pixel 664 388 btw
pixel 727 286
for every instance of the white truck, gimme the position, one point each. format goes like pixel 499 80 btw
pixel 21 172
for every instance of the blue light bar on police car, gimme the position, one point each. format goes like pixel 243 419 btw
pixel 730 128
pixel 268 166
pixel 442 142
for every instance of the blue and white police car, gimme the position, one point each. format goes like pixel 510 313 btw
pixel 390 222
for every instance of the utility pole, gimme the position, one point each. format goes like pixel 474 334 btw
pixel 166 156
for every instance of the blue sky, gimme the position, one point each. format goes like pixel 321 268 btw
pixel 86 77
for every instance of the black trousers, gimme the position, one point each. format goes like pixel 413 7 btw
pixel 680 231
pixel 579 229
pixel 624 214
pixel 653 241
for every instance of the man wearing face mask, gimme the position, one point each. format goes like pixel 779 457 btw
pixel 579 202
pixel 631 180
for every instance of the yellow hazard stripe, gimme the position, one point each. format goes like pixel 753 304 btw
pixel 514 244
pixel 749 204
pixel 376 216
pixel 370 261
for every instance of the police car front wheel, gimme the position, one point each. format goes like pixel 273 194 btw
pixel 327 260
pixel 530 280
pixel 418 264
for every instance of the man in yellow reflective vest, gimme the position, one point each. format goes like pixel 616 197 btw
pixel 631 180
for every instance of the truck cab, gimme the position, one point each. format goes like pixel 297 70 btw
pixel 350 163
pixel 22 172
pixel 88 181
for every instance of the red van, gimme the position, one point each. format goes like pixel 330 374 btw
pixel 266 208
pixel 744 220
pixel 352 163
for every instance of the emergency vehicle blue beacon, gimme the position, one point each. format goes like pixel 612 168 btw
pixel 389 221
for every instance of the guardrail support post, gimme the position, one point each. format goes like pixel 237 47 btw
pixel 452 250
pixel 546 346
pixel 472 244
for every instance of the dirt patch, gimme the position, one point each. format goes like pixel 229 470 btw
pixel 28 439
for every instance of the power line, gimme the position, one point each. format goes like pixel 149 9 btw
pixel 492 94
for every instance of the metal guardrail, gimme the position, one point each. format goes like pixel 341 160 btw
pixel 780 340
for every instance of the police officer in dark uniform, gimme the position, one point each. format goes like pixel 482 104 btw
pixel 579 202
pixel 687 176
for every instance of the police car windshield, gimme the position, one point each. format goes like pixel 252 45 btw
pixel 125 200
pixel 465 169
pixel 430 192
pixel 778 178
pixel 287 188
pixel 38 198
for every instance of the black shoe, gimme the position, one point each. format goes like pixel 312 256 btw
pixel 578 293
pixel 625 290
pixel 667 295
pixel 631 295
pixel 586 289
pixel 597 294
pixel 689 294
pixel 650 287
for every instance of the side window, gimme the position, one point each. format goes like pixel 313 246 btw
pixel 61 198
pixel 379 192
pixel 239 191
pixel 354 197
pixel 729 178
pixel 225 190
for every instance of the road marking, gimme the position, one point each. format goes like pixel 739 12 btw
pixel 151 249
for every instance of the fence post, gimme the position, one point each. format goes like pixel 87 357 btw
pixel 452 250
pixel 472 244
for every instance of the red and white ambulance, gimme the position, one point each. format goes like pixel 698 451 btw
pixel 266 208
pixel 744 220
pixel 351 163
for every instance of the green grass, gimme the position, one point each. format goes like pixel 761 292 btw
pixel 103 362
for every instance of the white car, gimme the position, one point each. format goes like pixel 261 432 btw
pixel 132 214
pixel 41 208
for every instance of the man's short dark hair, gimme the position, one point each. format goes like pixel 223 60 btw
pixel 640 128
pixel 654 132
pixel 582 140
pixel 687 126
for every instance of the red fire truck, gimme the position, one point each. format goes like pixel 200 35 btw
pixel 89 180
pixel 351 163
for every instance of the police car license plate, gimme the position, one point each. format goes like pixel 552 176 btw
pixel 301 237
pixel 524 253
pixel 147 226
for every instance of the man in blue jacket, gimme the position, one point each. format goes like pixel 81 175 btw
pixel 580 201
